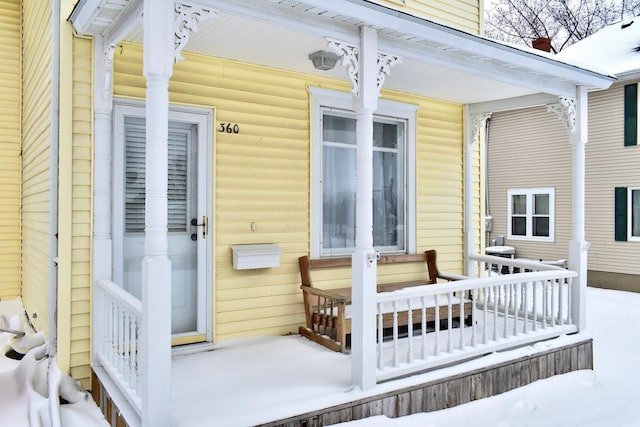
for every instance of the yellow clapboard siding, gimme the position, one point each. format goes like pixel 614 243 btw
pixel 262 175
pixel 81 211
pixel 281 324
pixel 36 128
pixel 10 147
pixel 465 15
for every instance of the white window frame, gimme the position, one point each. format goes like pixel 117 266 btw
pixel 529 193
pixel 630 236
pixel 322 99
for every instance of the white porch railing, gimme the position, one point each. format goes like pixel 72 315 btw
pixel 508 310
pixel 117 320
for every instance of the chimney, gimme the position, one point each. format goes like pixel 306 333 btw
pixel 543 43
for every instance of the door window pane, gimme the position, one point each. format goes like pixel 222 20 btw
pixel 178 192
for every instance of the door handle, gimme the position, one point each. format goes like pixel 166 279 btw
pixel 194 223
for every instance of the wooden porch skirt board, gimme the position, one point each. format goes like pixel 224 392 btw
pixel 105 403
pixel 455 390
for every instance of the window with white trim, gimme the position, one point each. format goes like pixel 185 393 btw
pixel 334 175
pixel 531 214
pixel 627 214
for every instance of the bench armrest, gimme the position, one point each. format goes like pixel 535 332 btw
pixel 326 294
pixel 452 276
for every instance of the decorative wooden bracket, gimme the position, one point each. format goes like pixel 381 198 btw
pixel 565 108
pixel 187 18
pixel 349 54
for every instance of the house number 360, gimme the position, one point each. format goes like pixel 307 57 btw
pixel 229 128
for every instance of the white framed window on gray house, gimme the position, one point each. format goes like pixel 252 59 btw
pixel 627 214
pixel 333 175
pixel 531 214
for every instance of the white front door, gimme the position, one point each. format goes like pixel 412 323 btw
pixel 187 222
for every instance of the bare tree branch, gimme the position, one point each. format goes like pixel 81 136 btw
pixel 563 21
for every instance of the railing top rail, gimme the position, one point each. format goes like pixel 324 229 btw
pixel 132 303
pixel 524 264
pixel 474 283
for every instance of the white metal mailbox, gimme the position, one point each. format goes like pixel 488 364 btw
pixel 265 255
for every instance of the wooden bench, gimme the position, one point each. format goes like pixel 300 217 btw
pixel 328 311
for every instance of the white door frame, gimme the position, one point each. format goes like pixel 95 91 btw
pixel 204 119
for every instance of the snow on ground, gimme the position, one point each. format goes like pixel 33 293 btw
pixel 603 397
pixel 16 394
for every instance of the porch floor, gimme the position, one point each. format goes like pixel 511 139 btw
pixel 258 380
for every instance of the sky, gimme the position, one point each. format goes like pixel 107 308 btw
pixel 602 397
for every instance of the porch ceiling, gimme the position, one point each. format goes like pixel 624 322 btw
pixel 438 62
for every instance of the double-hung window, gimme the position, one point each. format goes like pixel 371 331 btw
pixel 627 214
pixel 531 214
pixel 334 176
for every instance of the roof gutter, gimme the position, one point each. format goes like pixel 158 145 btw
pixel 53 178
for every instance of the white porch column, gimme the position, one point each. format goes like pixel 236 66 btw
pixel 156 267
pixel 364 267
pixel 368 69
pixel 574 113
pixel 102 201
pixel 578 246
pixel 102 117
pixel 473 125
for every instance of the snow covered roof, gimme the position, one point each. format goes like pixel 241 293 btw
pixel 615 48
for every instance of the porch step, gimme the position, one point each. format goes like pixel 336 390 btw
pixel 455 390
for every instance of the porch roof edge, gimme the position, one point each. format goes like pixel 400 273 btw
pixel 476 45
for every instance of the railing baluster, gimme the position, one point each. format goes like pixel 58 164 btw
pixel 125 346
pixel 461 320
pixel 569 301
pixel 474 298
pixel 423 327
pixel 560 303
pixel 107 325
pixel 116 337
pixel 436 350
pixel 133 339
pixel 506 309
pixel 485 310
pixel 395 333
pixel 410 330
pixel 517 303
pixel 525 326
pixel 380 337
pixel 449 322
pixel 496 290
pixel 554 311
pixel 535 306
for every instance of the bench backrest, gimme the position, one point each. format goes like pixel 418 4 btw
pixel 306 264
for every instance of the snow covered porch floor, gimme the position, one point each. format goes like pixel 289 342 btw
pixel 291 381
